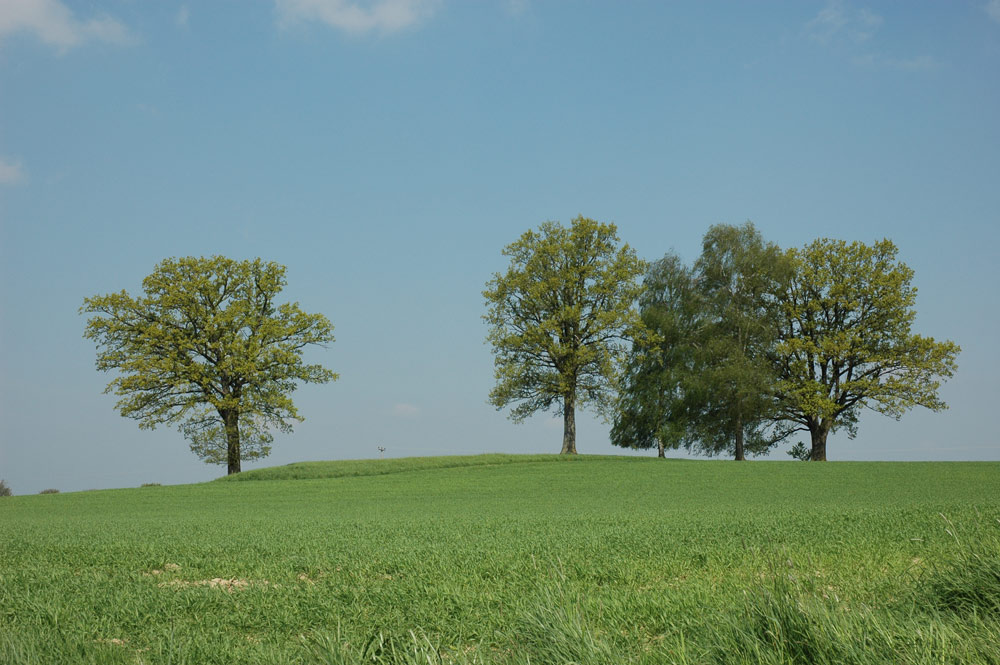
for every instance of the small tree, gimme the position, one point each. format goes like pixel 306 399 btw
pixel 207 348
pixel 846 341
pixel 799 452
pixel 559 317
pixel 4 490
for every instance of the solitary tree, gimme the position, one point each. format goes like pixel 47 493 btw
pixel 559 318
pixel 206 347
pixel 846 341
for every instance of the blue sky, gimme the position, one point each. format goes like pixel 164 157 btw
pixel 386 151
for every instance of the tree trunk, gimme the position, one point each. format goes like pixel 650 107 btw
pixel 818 435
pixel 740 455
pixel 231 419
pixel 569 425
pixel 659 448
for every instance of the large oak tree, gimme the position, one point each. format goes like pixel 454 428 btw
pixel 847 342
pixel 207 348
pixel 559 318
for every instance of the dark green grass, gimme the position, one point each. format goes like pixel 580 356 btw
pixel 509 559
pixel 378 467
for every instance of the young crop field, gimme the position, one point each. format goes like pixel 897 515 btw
pixel 502 559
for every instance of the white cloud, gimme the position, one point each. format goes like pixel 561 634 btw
pixel 183 15
pixel 11 173
pixel 358 17
pixel 993 9
pixel 403 410
pixel 839 21
pixel 54 23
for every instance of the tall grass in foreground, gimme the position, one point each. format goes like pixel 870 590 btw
pixel 949 616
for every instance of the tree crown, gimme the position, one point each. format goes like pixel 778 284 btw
pixel 204 339
pixel 560 315
pixel 847 341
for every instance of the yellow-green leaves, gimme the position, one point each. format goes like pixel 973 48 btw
pixel 560 315
pixel 847 342
pixel 206 342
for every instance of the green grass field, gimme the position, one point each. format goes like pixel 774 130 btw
pixel 513 559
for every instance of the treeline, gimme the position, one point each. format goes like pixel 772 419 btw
pixel 732 354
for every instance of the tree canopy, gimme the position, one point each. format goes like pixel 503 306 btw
pixel 707 382
pixel 847 343
pixel 740 277
pixel 559 319
pixel 207 348
pixel 651 408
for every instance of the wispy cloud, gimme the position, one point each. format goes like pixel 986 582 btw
pixel 357 17
pixel 182 17
pixel 838 21
pixel 851 32
pixel 517 7
pixel 993 10
pixel 55 24
pixel 403 410
pixel 920 63
pixel 11 173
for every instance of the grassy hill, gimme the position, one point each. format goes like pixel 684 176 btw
pixel 513 559
pixel 378 467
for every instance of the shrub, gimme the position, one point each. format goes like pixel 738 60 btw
pixel 50 491
pixel 4 490
pixel 800 452
pixel 150 485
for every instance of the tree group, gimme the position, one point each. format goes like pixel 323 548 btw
pixel 730 355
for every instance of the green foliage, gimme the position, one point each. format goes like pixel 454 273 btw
pixel 707 381
pixel 847 342
pixel 800 452
pixel 51 490
pixel 651 410
pixel 4 490
pixel 559 318
pixel 207 348
pixel 615 560
pixel 739 277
